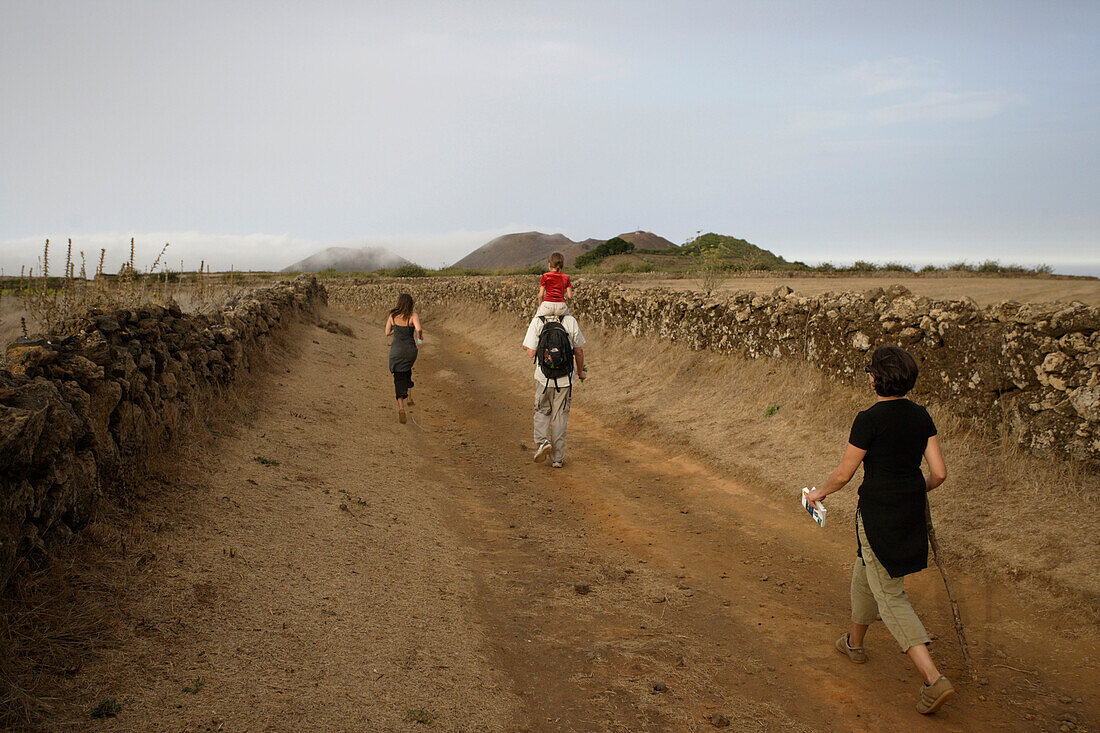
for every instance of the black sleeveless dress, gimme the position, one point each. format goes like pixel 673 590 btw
pixel 403 349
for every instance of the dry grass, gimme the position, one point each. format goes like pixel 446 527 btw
pixel 12 318
pixel 1003 514
pixel 65 612
pixel 985 289
pixel 52 621
pixel 40 300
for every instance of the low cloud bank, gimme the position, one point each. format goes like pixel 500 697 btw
pixel 227 251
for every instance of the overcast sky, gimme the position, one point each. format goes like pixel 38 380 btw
pixel 255 133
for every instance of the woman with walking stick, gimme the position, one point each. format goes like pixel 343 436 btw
pixel 890 438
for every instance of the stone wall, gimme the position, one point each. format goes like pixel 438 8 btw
pixel 1038 366
pixel 83 407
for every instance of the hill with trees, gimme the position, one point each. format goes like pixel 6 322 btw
pixel 523 249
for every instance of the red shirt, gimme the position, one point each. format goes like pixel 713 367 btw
pixel 555 284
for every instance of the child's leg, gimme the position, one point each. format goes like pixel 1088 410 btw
pixel 553 309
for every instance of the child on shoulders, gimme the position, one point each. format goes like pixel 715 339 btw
pixel 554 288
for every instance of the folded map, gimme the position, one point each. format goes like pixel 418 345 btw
pixel 816 509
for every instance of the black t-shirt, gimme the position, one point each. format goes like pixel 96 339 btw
pixel 895 434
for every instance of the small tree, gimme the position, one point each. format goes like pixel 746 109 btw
pixel 613 246
pixel 711 268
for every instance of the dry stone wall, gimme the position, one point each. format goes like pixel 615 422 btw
pixel 1038 366
pixel 83 407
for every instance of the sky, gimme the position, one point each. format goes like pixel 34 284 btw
pixel 252 134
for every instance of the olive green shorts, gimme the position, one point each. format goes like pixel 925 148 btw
pixel 875 594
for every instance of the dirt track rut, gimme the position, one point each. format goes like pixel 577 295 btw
pixel 366 575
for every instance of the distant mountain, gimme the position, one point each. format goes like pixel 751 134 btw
pixel 647 240
pixel 346 259
pixel 513 251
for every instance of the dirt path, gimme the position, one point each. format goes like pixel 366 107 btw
pixel 329 569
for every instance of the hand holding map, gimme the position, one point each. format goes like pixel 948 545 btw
pixel 816 509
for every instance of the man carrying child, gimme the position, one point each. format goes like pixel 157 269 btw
pixel 555 342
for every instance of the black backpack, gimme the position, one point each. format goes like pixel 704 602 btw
pixel 554 354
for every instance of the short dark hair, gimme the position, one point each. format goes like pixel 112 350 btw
pixel 894 371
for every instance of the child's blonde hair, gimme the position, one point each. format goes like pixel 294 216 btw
pixel 557 261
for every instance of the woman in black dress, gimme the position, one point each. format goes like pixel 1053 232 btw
pixel 404 325
pixel 890 438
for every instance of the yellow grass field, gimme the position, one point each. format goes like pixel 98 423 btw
pixel 983 289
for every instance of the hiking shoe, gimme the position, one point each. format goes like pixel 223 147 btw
pixel 401 416
pixel 856 654
pixel 409 401
pixel 542 452
pixel 556 464
pixel 934 695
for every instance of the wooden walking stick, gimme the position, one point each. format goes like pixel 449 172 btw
pixel 936 556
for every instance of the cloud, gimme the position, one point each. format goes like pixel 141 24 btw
pixel 938 106
pixel 219 251
pixel 897 91
pixel 873 78
pixel 187 249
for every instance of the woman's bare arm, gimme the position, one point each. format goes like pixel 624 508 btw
pixel 569 292
pixel 542 293
pixel 389 326
pixel 842 475
pixel 415 320
pixel 937 469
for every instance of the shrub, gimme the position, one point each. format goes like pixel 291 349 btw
pixel 409 270
pixel 864 266
pixel 613 246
